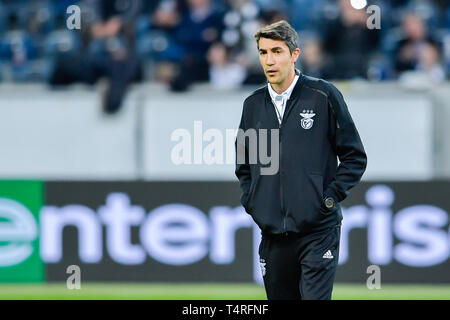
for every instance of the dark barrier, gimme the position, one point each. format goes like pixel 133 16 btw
pixel 197 231
pixel 147 232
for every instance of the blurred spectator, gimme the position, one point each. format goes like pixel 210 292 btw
pixel 427 10
pixel 109 40
pixel 447 18
pixel 199 27
pixel 165 19
pixel 273 15
pixel 273 5
pixel 167 13
pixel 174 38
pixel 313 61
pixel 305 14
pixel 430 63
pixel 17 47
pixel 242 20
pixel 223 73
pixel 349 43
pixel 409 49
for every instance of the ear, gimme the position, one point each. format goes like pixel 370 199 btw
pixel 295 54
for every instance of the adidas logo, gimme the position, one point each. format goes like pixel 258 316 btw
pixel 328 255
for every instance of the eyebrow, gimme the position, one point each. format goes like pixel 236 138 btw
pixel 272 49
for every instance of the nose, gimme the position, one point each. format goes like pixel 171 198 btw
pixel 270 60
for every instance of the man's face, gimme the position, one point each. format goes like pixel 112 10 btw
pixel 276 59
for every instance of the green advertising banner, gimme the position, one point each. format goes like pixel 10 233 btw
pixel 20 203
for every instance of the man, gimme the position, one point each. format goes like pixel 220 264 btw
pixel 108 43
pixel 297 208
pixel 198 29
pixel 348 42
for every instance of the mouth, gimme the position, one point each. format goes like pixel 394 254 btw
pixel 271 72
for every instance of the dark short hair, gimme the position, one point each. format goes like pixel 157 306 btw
pixel 280 30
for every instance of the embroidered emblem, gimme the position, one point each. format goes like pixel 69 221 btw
pixel 307 120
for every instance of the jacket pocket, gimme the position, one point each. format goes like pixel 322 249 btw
pixel 326 211
pixel 251 192
pixel 317 183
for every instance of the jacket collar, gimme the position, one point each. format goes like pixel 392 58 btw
pixel 301 78
pixel 294 95
pixel 287 93
pixel 295 90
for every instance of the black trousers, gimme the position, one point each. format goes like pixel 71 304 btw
pixel 299 268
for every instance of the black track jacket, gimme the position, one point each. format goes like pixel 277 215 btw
pixel 292 199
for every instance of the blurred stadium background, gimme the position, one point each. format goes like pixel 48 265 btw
pixel 117 144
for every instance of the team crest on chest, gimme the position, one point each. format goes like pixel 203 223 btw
pixel 307 120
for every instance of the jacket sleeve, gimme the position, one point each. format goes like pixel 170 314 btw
pixel 348 146
pixel 242 170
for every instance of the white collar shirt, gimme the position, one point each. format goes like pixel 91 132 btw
pixel 280 100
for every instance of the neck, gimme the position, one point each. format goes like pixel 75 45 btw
pixel 281 87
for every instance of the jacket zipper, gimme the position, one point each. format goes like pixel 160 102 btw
pixel 281 183
pixel 279 168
